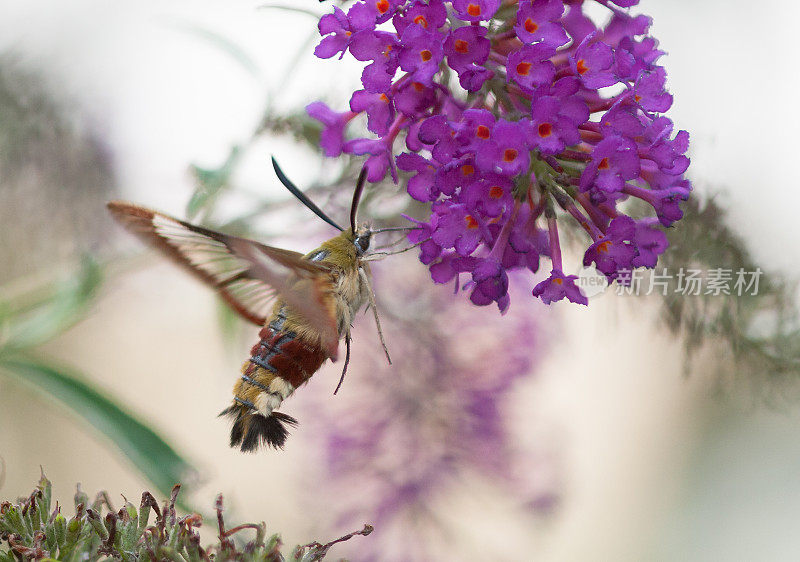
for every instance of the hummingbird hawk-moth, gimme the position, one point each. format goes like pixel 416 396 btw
pixel 304 303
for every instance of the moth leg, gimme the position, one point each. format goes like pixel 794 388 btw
pixel 374 307
pixel 346 361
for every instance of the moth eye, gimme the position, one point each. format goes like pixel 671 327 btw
pixel 362 243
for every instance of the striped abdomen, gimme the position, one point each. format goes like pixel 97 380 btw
pixel 280 362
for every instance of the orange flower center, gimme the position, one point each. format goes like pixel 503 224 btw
pixel 474 10
pixel 382 5
pixel 425 55
pixel 348 33
pixel 524 68
pixel 461 46
pixel 582 68
pixel 558 281
pixel 472 224
pixel 510 154
pixel 467 170
pixel 638 98
pixel 604 246
pixel 530 25
pixel 496 192
pixel 383 98
pixel 420 19
pixel 545 130
pixel 603 165
pixel 418 86
pixel 482 132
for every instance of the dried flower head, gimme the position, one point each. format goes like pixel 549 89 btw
pixel 34 529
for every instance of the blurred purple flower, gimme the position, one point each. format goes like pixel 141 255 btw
pixel 438 413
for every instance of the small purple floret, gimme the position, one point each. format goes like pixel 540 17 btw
pixel 559 286
pixel 538 21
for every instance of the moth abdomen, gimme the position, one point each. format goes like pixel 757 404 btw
pixel 280 362
pixel 251 428
pixel 283 354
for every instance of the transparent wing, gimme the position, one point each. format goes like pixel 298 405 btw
pixel 310 297
pixel 247 275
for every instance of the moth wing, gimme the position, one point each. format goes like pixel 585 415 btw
pixel 247 275
pixel 310 300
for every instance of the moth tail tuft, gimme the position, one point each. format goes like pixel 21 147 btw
pixel 251 429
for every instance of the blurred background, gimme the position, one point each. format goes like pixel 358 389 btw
pixel 597 440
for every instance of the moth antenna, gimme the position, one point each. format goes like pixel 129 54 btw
pixel 346 362
pixel 294 190
pixel 374 307
pixel 395 229
pixel 362 178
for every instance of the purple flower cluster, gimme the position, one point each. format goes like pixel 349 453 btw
pixel 552 119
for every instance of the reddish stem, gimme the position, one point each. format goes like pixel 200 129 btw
pixel 575 155
pixel 590 136
pixel 590 126
pixel 502 238
pixel 498 58
pixel 603 105
pixel 552 162
pixel 563 72
pixel 555 246
pixel 594 213
pixel 588 225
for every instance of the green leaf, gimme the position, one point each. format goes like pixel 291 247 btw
pixel 51 311
pixel 148 451
pixel 210 182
